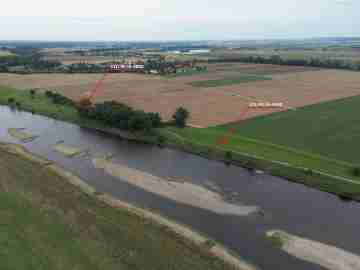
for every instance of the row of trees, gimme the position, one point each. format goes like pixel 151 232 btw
pixel 56 98
pixel 166 67
pixel 121 116
pixel 116 114
pixel 84 68
pixel 33 62
pixel 278 60
pixel 161 66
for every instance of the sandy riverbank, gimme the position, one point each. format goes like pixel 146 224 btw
pixel 183 231
pixel 182 192
pixel 327 256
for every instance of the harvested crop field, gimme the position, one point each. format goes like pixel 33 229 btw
pixel 293 86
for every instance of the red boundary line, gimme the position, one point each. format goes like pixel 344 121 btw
pixel 97 88
pixel 225 139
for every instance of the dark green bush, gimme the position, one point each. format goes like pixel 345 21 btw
pixel 180 117
pixel 61 100
pixel 356 171
pixel 309 172
pixel 48 93
pixel 161 140
pixel 32 93
pixel 228 155
pixel 121 116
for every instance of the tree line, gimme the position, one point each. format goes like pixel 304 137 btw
pixel 84 68
pixel 31 63
pixel 121 116
pixel 278 60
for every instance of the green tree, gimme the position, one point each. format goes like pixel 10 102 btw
pixel 32 93
pixel 139 121
pixel 155 118
pixel 180 117
pixel 356 171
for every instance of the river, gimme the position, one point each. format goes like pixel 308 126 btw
pixel 287 206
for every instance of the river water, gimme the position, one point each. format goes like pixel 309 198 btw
pixel 287 206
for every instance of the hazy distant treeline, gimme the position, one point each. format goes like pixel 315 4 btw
pixel 27 62
pixel 278 60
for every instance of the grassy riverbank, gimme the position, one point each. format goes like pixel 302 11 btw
pixel 317 171
pixel 48 223
pixel 327 174
pixel 41 104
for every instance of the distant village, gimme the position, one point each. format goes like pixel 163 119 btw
pixel 135 66
pixel 154 67
pixel 96 61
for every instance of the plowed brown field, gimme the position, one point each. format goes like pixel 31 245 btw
pixel 294 86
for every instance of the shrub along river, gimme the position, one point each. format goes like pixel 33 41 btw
pixel 286 206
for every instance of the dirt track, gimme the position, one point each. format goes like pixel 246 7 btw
pixel 208 106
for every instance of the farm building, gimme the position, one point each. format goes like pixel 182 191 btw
pixel 127 67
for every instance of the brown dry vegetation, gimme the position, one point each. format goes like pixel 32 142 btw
pixel 294 86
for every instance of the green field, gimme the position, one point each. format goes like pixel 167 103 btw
pixel 287 162
pixel 324 137
pixel 230 81
pixel 331 129
pixel 47 223
pixel 187 73
pixel 240 144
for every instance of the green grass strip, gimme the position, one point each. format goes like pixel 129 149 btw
pixel 230 81
pixel 331 175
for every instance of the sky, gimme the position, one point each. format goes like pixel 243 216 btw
pixel 121 20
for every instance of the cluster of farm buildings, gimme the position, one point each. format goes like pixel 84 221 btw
pixel 153 67
pixel 128 67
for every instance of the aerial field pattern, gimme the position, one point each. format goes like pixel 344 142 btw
pixel 331 129
pixel 208 106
